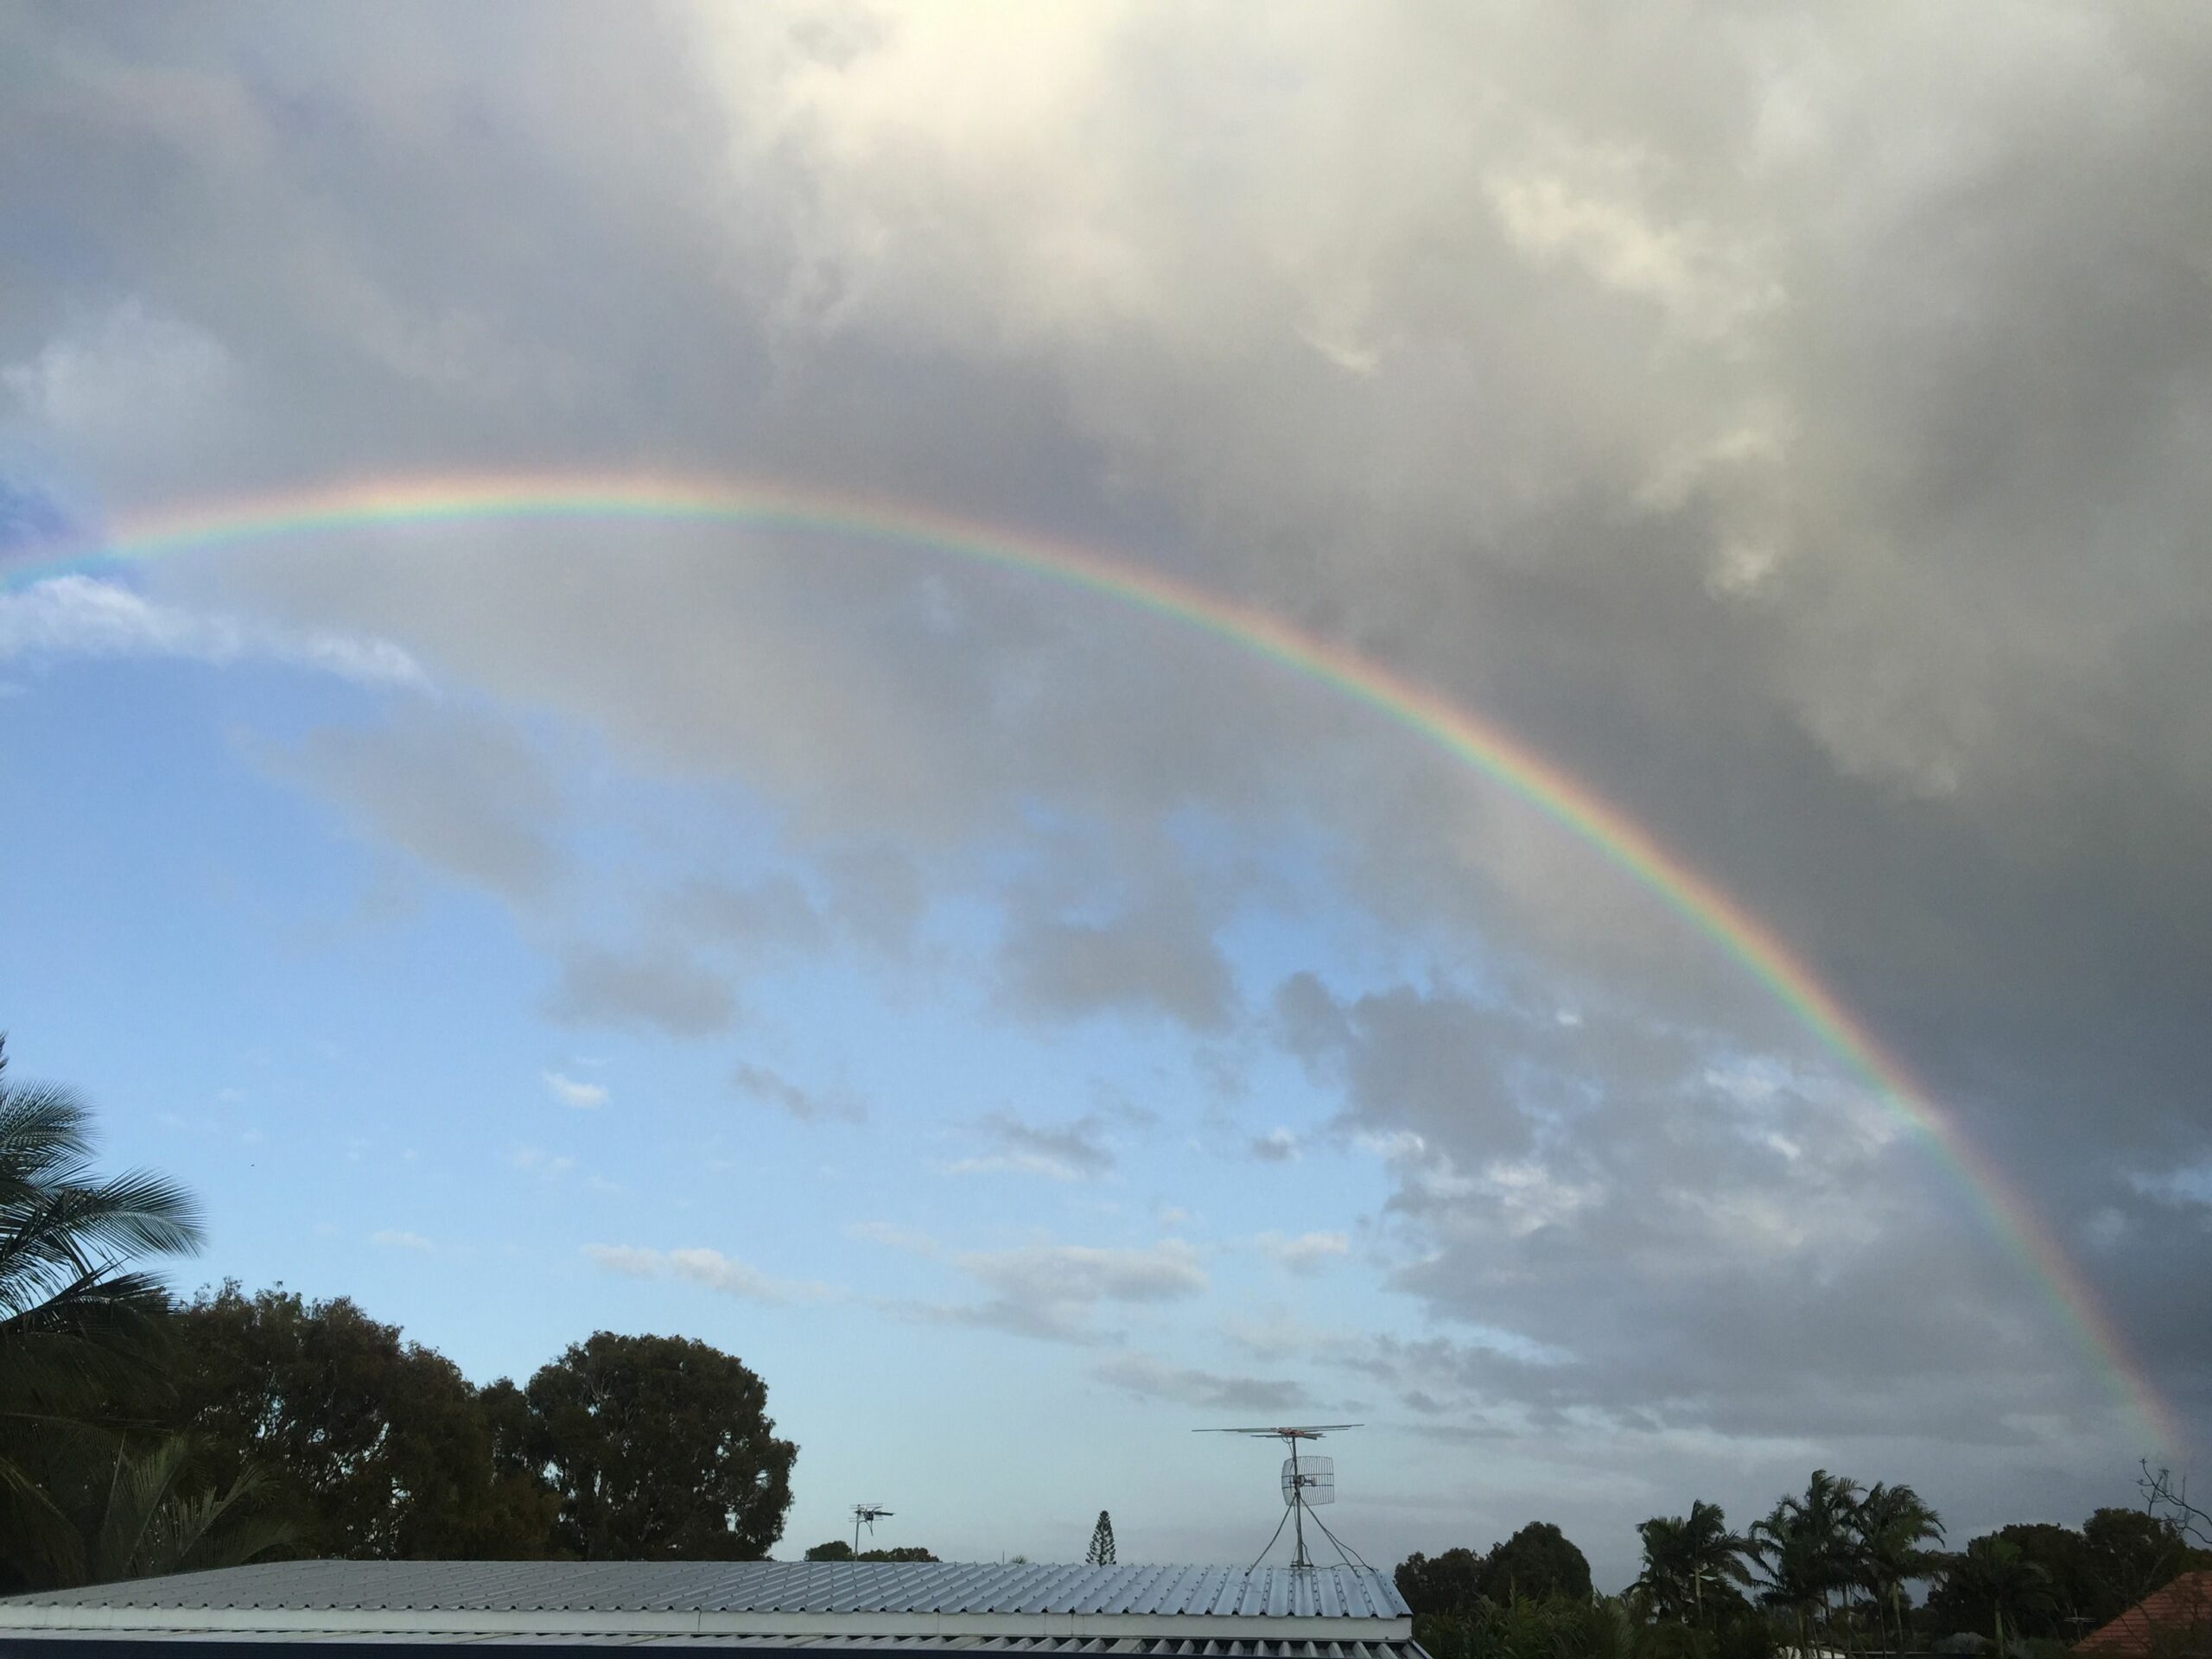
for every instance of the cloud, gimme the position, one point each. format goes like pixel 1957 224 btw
pixel 453 787
pixel 716 1272
pixel 1054 1291
pixel 1277 1146
pixel 1159 960
pixel 1305 1253
pixel 1801 447
pixel 570 1092
pixel 393 1239
pixel 1148 1376
pixel 1073 1150
pixel 537 1160
pixel 81 616
pixel 805 1105
pixel 659 989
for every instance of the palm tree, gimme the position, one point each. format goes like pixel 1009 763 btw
pixel 1893 1526
pixel 78 1328
pixel 1683 1554
pixel 146 1527
pixel 1805 1544
pixel 1994 1570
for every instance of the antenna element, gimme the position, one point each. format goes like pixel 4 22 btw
pixel 1305 1482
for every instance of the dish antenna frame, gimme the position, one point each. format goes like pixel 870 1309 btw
pixel 1290 1435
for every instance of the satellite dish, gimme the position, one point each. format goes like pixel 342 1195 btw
pixel 1313 1479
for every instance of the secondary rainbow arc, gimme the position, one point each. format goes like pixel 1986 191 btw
pixel 1473 739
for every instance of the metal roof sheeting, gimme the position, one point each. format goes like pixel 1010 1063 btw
pixel 888 1647
pixel 863 1588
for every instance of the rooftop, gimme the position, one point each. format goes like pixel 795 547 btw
pixel 2163 1620
pixel 1210 1612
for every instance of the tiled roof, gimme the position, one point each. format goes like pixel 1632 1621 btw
pixel 2162 1620
pixel 1125 1613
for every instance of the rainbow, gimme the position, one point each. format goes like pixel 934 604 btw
pixel 1476 742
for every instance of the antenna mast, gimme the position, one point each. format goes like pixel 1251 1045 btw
pixel 1306 1481
pixel 869 1513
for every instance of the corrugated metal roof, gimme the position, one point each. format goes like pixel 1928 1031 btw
pixel 888 1647
pixel 773 1587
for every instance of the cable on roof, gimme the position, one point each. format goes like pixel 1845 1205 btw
pixel 1270 1544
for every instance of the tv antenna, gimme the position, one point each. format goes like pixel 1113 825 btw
pixel 1308 1480
pixel 868 1515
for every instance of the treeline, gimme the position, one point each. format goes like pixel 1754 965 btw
pixel 312 1429
pixel 1831 1568
pixel 140 1435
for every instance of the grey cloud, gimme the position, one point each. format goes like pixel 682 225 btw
pixel 1159 960
pixel 456 789
pixel 1054 1291
pixel 658 989
pixel 1076 1150
pixel 1148 1376
pixel 808 1105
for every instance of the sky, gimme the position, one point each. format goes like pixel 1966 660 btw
pixel 1027 1028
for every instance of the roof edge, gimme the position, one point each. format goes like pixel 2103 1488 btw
pixel 555 1622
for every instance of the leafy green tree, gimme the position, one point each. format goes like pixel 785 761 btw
pixel 1537 1563
pixel 1101 1552
pixel 836 1550
pixel 2058 1555
pixel 1892 1529
pixel 659 1448
pixel 1993 1572
pixel 1448 1584
pixel 80 1328
pixel 1686 1558
pixel 2127 1555
pixel 374 1447
pixel 896 1552
pixel 1553 1628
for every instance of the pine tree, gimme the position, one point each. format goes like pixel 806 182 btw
pixel 1101 1541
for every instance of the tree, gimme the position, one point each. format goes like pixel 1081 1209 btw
pixel 81 1330
pixel 659 1448
pixel 374 1447
pixel 1101 1541
pixel 2130 1553
pixel 1893 1527
pixel 1449 1584
pixel 1806 1545
pixel 1535 1564
pixel 838 1550
pixel 149 1522
pixel 2060 1558
pixel 1687 1557
pixel 1993 1572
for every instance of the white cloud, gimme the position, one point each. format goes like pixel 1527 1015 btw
pixel 570 1092
pixel 80 616
pixel 1306 1253
pixel 394 1239
pixel 537 1160
pixel 711 1268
